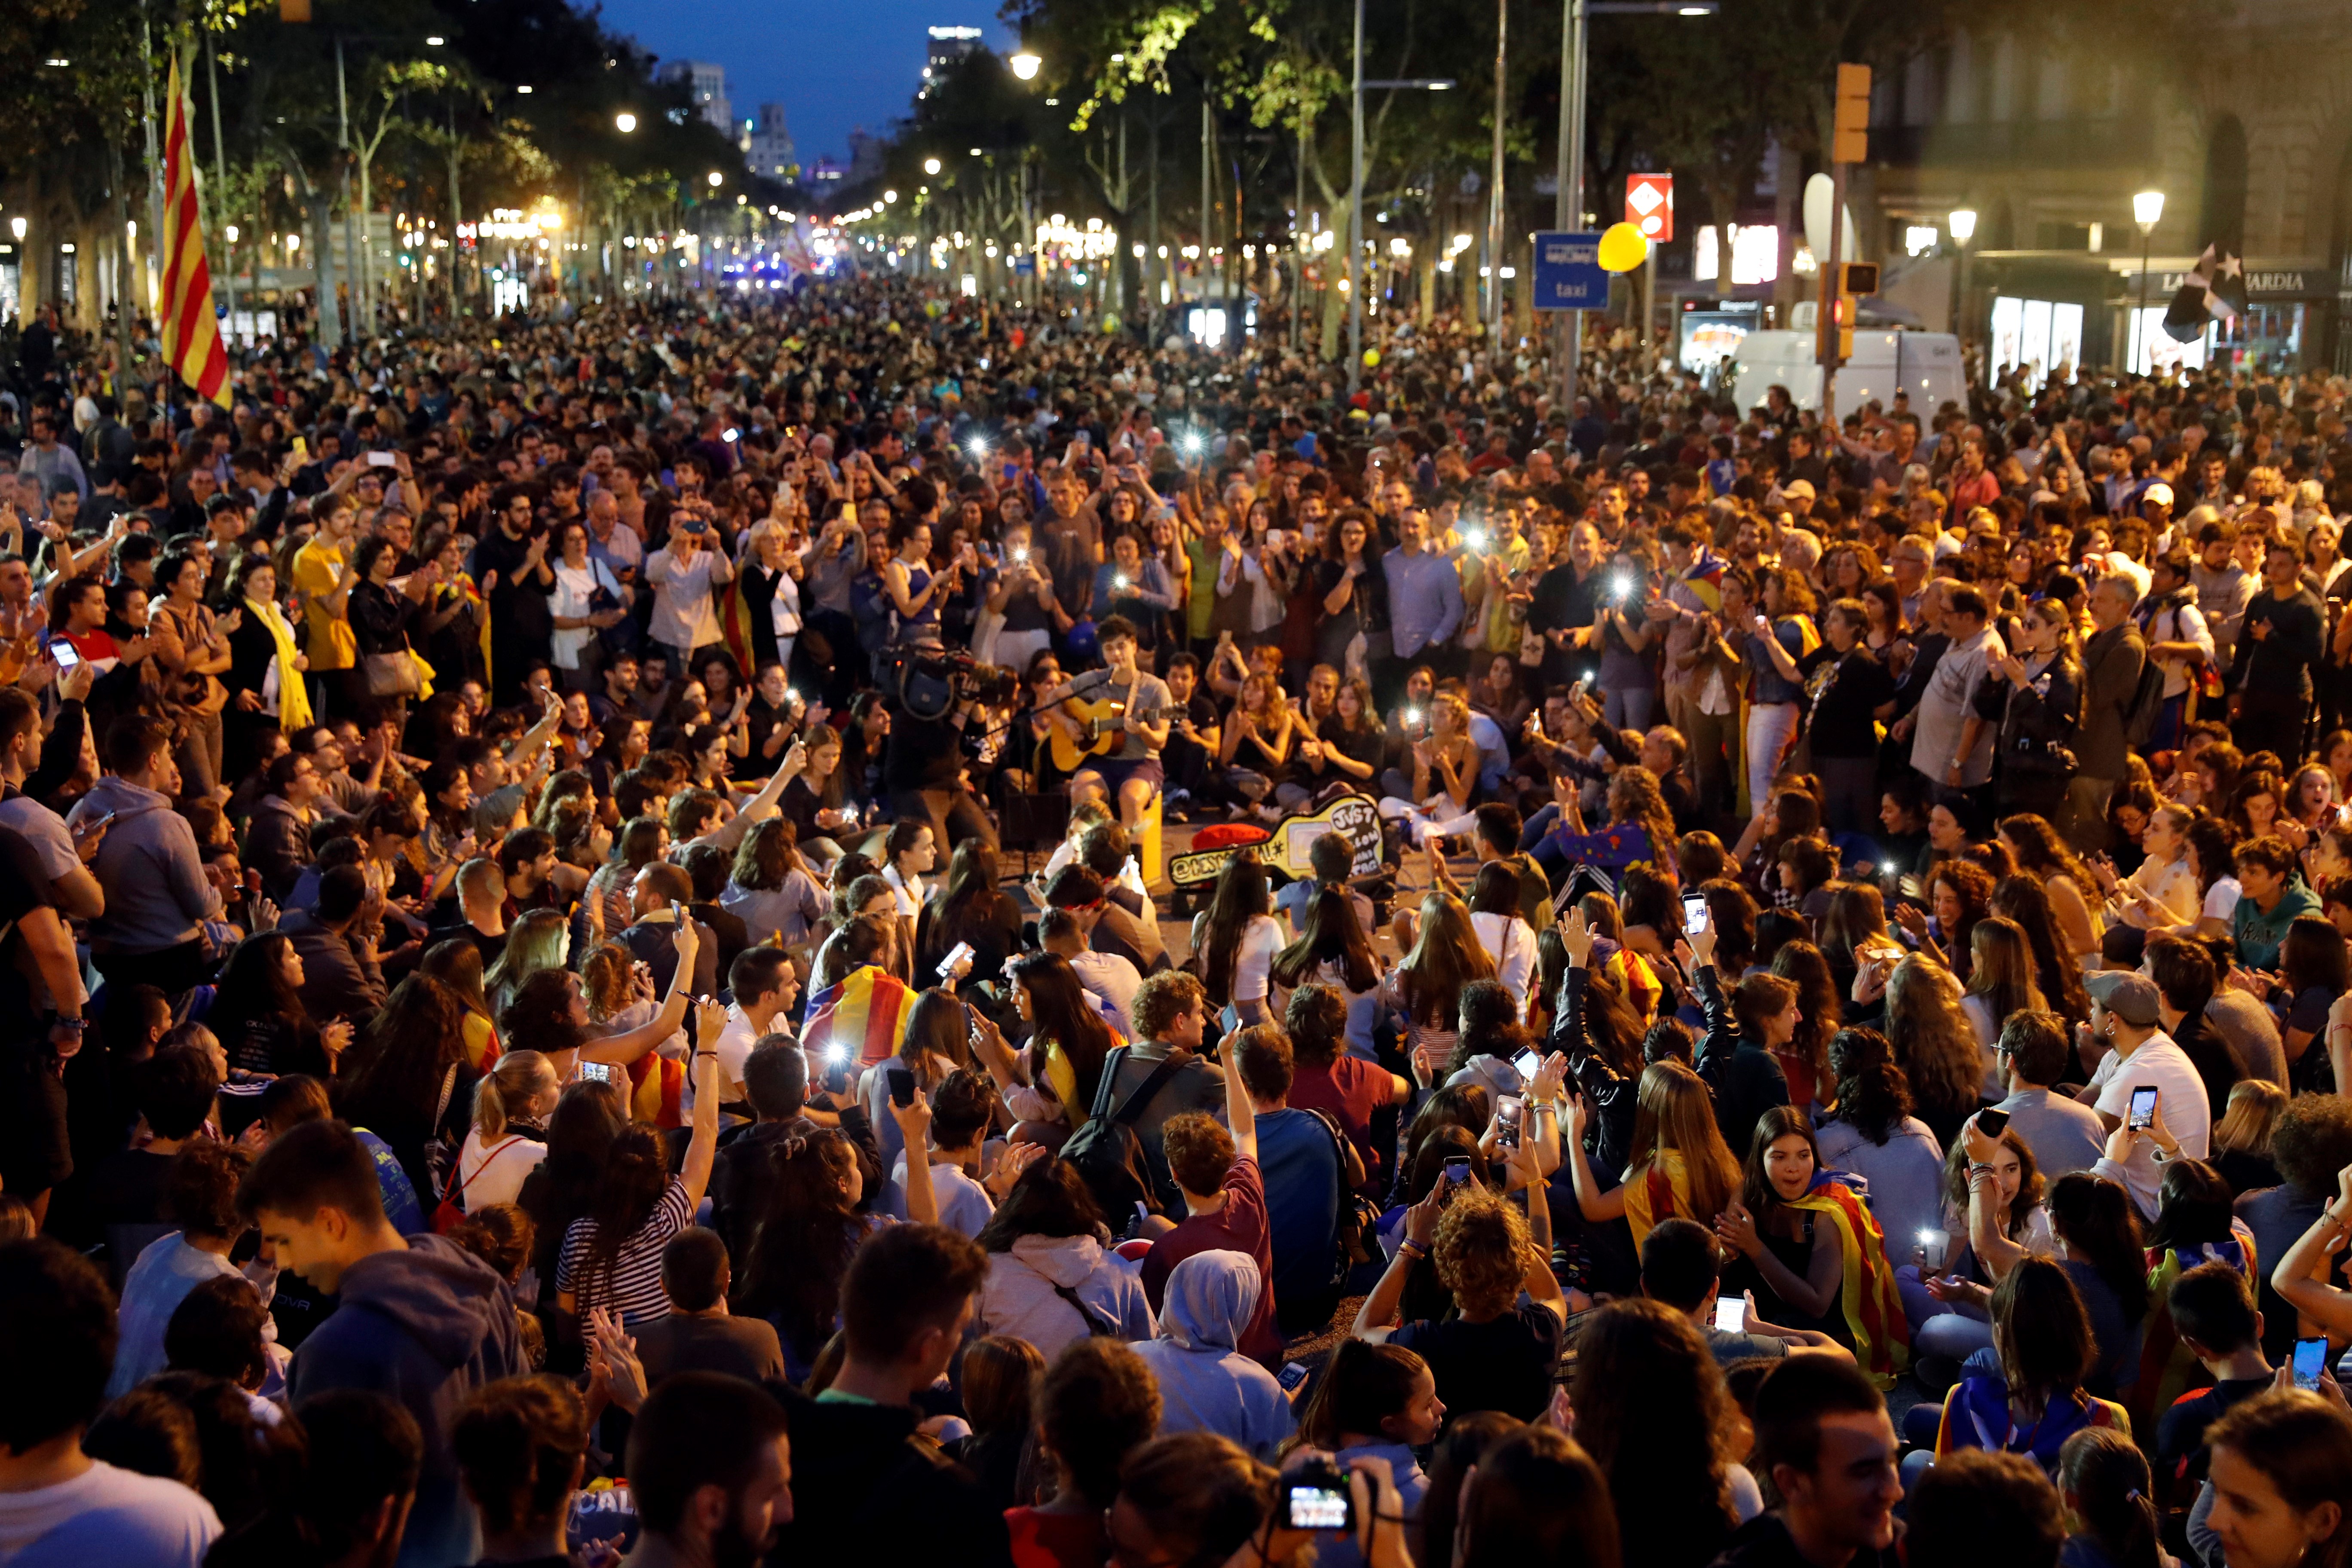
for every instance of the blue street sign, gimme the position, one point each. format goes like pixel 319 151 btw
pixel 1568 273
pixel 1025 264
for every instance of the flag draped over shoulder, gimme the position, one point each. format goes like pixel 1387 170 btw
pixel 1873 1308
pixel 191 340
pixel 866 1014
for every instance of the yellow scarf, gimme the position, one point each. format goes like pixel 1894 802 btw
pixel 293 699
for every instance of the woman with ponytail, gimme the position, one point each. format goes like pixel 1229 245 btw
pixel 505 1143
pixel 1374 1401
pixel 2104 1483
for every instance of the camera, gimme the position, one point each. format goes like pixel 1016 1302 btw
pixel 931 680
pixel 1315 1497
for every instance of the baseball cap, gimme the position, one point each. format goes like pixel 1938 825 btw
pixel 2159 491
pixel 1795 487
pixel 2128 993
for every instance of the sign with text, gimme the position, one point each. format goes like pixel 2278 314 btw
pixel 1352 816
pixel 1568 272
pixel 1650 205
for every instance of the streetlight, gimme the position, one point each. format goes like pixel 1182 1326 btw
pixel 1962 222
pixel 436 41
pixel 625 123
pixel 2147 210
pixel 1569 211
pixel 930 165
pixel 717 179
pixel 1356 197
pixel 1025 66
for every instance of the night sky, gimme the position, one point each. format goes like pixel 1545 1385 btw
pixel 832 67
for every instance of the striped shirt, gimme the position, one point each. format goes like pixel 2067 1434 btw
pixel 632 1285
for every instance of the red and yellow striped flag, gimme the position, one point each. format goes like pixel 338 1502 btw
pixel 192 341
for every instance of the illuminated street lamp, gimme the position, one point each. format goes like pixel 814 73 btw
pixel 717 179
pixel 2147 210
pixel 625 123
pixel 1025 66
pixel 1962 223
pixel 930 165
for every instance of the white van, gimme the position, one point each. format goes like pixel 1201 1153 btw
pixel 1924 365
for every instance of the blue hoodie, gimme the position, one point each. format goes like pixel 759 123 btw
pixel 428 1327
pixel 156 894
pixel 1205 1384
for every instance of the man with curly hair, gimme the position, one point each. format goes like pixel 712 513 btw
pixel 1494 1354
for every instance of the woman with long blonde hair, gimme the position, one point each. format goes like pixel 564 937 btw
pixel 1257 743
pixel 511 1102
pixel 1679 1165
pixel 1445 956
pixel 540 939
pixel 1445 774
pixel 2000 983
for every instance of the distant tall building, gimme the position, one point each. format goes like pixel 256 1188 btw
pixel 769 146
pixel 866 153
pixel 708 83
pixel 949 45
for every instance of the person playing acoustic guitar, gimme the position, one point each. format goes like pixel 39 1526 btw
pixel 1132 732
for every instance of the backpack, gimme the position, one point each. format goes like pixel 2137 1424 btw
pixel 451 1212
pixel 1107 1152
pixel 2147 705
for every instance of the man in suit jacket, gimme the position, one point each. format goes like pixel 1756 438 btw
pixel 660 891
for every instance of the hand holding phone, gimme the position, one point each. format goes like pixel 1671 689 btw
pixel 1695 916
pixel 1730 1314
pixel 2142 1114
pixel 2310 1361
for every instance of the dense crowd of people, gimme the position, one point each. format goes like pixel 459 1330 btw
pixel 1823 1042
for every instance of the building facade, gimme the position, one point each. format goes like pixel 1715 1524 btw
pixel 708 83
pixel 768 145
pixel 2247 135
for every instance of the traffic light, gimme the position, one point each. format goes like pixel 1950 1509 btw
pixel 1856 279
pixel 1861 279
pixel 1851 141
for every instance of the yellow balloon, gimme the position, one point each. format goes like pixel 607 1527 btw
pixel 1622 248
pixel 1372 357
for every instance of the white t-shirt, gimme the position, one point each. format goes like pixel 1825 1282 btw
pixel 106 1515
pixel 964 1204
pixel 2222 899
pixel 1116 981
pixel 493 1173
pixel 575 586
pixel 1261 940
pixel 908 889
pixel 2180 1103
pixel 1512 945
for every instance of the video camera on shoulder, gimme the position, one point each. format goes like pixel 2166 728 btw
pixel 929 680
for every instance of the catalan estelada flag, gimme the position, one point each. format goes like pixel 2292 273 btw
pixel 866 1014
pixel 191 340
pixel 656 1092
pixel 1872 1308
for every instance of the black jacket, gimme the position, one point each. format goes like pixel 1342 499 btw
pixel 1746 1081
pixel 2038 721
pixel 865 1486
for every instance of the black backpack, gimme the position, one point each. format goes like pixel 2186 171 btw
pixel 2147 705
pixel 1107 1152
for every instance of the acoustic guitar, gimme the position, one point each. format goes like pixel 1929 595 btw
pixel 1090 728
